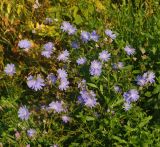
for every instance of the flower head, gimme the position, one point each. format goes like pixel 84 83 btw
pixel 51 78
pixel 67 27
pixel 48 49
pixel 150 77
pixel 31 132
pixel 48 46
pixel 141 80
pixel 117 88
pixel 65 119
pixel 81 61
pixel 131 96
pixel 63 56
pixel 95 68
pixel 94 36
pixel 25 44
pixel 35 83
pixel 10 69
pixel 147 77
pixel 85 36
pixel 56 106
pixel 75 45
pixel 129 50
pixel 88 98
pixel 64 84
pixel 127 106
pixel 62 74
pixel 104 56
pixel 23 113
pixel 110 34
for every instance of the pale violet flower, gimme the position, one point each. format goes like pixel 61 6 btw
pixel 52 78
pixel 85 36
pixel 35 83
pixel 56 106
pixel 25 44
pixel 23 113
pixel 63 56
pixel 131 96
pixel 150 77
pixel 129 50
pixel 10 69
pixel 67 27
pixel 104 56
pixel 75 45
pixel 81 61
pixel 141 80
pixel 48 46
pixel 65 118
pixel 94 36
pixel 95 68
pixel 31 132
pixel 147 77
pixel 127 106
pixel 62 74
pixel 88 98
pixel 48 49
pixel 64 84
pixel 110 34
pixel 117 88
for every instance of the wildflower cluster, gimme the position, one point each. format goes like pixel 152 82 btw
pixel 76 77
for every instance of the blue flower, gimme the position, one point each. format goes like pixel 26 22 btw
pixel 66 119
pixel 81 61
pixel 110 34
pixel 75 45
pixel 67 27
pixel 35 83
pixel 23 113
pixel 129 50
pixel 31 132
pixel 56 106
pixel 141 80
pixel 95 68
pixel 48 49
pixel 94 36
pixel 10 69
pixel 25 44
pixel 127 106
pixel 131 96
pixel 48 46
pixel 117 88
pixel 85 36
pixel 88 98
pixel 63 56
pixel 104 56
pixel 147 77
pixel 51 78
pixel 150 76
pixel 118 65
pixel 64 84
pixel 62 74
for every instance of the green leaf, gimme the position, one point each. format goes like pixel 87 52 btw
pixel 119 139
pixel 145 121
pixel 101 89
pixel 92 85
pixel 90 118
pixel 148 94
